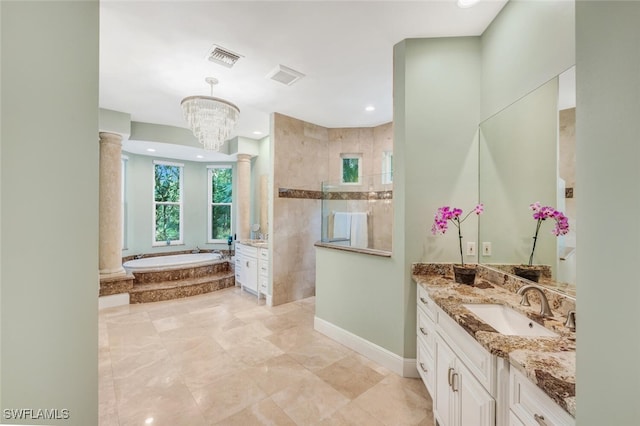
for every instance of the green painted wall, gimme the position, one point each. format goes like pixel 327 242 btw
pixel 608 150
pixel 519 166
pixel 437 153
pixel 364 298
pixel 48 311
pixel 442 90
pixel 139 220
pixel 436 113
pixel 528 43
pixel 164 134
pixel 115 122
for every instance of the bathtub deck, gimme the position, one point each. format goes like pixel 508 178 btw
pixel 183 287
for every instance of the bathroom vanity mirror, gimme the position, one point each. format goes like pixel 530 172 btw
pixel 527 155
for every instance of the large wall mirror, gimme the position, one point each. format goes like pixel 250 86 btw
pixel 527 155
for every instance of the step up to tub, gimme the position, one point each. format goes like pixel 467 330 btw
pixel 181 287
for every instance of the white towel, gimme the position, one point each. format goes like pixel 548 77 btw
pixel 342 225
pixel 359 230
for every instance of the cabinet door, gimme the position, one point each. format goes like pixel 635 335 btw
pixel 251 273
pixel 476 406
pixel 514 420
pixel 444 403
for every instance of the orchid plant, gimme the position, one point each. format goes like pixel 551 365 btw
pixel 446 214
pixel 542 213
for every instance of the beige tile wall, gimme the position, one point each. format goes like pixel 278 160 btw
pixel 304 156
pixel 301 161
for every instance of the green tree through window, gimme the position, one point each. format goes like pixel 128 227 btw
pixel 351 170
pixel 167 203
pixel 220 202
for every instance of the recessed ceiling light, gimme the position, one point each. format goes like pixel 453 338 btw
pixel 465 4
pixel 148 420
pixel 199 156
pixel 257 132
pixel 370 108
pixel 151 150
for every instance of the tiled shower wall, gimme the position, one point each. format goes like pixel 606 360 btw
pixel 371 142
pixel 304 155
pixel 301 161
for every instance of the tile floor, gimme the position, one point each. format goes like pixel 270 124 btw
pixel 223 358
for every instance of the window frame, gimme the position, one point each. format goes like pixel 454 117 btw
pixel 124 162
pixel 180 240
pixel 210 202
pixel 351 157
pixel 387 167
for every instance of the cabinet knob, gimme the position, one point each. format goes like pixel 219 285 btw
pixel 424 301
pixel 247 264
pixel 540 419
pixel 423 331
pixel 422 366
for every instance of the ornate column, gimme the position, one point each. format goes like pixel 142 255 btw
pixel 110 216
pixel 243 230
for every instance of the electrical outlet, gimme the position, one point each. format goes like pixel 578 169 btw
pixel 486 249
pixel 471 248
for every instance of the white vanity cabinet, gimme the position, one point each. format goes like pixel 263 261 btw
pixel 426 332
pixel 530 406
pixel 263 270
pixel 458 372
pixel 247 267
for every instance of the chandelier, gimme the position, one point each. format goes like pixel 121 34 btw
pixel 212 120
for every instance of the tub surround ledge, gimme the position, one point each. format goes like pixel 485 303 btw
pixel 371 252
pixel 549 362
pixel 116 285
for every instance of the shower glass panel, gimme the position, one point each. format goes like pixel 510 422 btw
pixel 358 216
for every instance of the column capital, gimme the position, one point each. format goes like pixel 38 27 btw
pixel 108 137
pixel 244 157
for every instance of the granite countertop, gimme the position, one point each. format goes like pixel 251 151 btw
pixel 254 243
pixel 549 362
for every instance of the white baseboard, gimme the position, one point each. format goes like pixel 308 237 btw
pixel 269 300
pixel 405 367
pixel 113 300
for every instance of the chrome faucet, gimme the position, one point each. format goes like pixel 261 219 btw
pixel 571 320
pixel 545 310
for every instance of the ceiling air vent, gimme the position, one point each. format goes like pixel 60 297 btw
pixel 285 75
pixel 222 56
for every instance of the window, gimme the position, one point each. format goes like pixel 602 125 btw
pixel 123 191
pixel 220 202
pixel 387 167
pixel 351 168
pixel 167 203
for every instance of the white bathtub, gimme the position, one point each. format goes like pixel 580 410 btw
pixel 171 262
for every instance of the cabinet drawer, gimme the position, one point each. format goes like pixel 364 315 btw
pixel 426 366
pixel 251 252
pixel 263 253
pixel 263 284
pixel 426 331
pixel 532 406
pixel 426 304
pixel 263 268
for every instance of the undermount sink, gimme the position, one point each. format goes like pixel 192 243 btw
pixel 508 321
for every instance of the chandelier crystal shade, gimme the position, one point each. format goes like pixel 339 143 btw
pixel 212 120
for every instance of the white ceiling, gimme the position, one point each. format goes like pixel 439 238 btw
pixel 153 54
